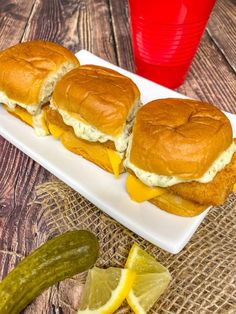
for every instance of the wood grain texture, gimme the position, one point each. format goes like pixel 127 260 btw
pixel 19 175
pixel 121 31
pixel 102 27
pixel 222 28
pixel 94 29
pixel 14 16
pixel 83 24
pixel 54 20
pixel 210 78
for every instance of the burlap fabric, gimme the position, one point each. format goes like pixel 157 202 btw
pixel 203 274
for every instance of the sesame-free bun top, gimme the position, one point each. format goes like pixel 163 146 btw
pixel 179 137
pixel 30 69
pixel 100 96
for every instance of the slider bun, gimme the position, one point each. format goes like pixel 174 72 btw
pixel 30 70
pixel 102 97
pixel 179 137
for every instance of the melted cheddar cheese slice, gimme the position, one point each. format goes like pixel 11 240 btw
pixel 115 161
pixel 162 198
pixel 234 188
pixel 139 192
pixel 99 154
pixel 21 113
pixel 26 117
pixel 55 130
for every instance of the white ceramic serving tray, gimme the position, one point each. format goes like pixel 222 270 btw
pixel 167 231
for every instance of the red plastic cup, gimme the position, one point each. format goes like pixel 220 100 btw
pixel 165 37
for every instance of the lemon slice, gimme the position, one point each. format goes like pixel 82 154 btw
pixel 150 282
pixel 105 290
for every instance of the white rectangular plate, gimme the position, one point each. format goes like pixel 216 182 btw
pixel 167 231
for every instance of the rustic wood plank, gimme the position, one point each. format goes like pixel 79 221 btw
pixel 210 77
pixel 121 29
pixel 13 20
pixel 222 29
pixel 74 24
pixel 55 21
pixel 95 31
pixel 22 228
pixel 19 175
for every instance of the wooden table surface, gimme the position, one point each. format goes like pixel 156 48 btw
pixel 102 27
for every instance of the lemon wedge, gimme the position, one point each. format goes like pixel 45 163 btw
pixel 105 290
pixel 150 282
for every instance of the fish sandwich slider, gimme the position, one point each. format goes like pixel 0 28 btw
pixel 181 156
pixel 29 72
pixel 92 111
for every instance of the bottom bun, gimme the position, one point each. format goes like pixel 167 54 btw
pixel 177 205
pixel 103 155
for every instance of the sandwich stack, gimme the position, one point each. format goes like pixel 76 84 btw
pixel 179 153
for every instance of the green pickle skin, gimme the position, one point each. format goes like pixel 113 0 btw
pixel 61 257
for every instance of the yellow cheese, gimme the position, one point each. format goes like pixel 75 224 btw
pixel 234 188
pixel 115 161
pixel 55 130
pixel 165 200
pixel 139 192
pixel 93 151
pixel 21 113
pixel 99 154
pixel 26 117
pixel 43 119
pixel 96 152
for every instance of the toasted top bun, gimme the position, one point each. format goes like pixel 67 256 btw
pixel 102 97
pixel 179 137
pixel 30 70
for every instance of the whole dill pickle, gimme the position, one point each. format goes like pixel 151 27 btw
pixel 61 257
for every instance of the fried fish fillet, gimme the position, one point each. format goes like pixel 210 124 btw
pixel 211 193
